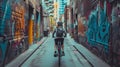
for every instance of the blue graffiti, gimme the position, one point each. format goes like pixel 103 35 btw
pixel 6 14
pixel 99 28
pixel 92 27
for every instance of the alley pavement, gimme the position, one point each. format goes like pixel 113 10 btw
pixel 75 55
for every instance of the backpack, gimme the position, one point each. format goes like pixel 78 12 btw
pixel 59 32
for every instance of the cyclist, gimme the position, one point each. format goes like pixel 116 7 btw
pixel 59 33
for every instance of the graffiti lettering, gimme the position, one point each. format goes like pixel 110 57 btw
pixel 18 18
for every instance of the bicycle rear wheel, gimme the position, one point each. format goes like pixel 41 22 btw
pixel 59 56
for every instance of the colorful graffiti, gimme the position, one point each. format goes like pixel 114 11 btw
pixel 12 27
pixel 18 27
pixel 98 32
pixel 18 20
pixel 101 32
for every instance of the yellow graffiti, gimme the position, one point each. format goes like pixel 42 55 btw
pixel 30 33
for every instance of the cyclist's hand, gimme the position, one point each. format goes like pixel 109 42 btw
pixel 65 36
pixel 52 36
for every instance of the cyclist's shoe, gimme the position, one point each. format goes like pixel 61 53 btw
pixel 55 54
pixel 63 54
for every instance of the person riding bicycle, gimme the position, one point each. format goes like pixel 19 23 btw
pixel 59 33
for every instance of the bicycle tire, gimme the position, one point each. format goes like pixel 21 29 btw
pixel 59 55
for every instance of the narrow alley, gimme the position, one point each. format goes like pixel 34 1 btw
pixel 44 56
pixel 37 33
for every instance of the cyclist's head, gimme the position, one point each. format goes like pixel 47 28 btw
pixel 59 24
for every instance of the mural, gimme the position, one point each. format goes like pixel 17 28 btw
pixel 19 28
pixel 12 30
pixel 100 31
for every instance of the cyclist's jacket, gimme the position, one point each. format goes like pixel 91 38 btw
pixel 59 32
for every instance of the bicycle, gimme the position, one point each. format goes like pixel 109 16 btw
pixel 59 51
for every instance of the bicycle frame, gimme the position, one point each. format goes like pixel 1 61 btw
pixel 59 51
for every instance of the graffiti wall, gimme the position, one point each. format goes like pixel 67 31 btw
pixel 99 30
pixel 12 29
pixel 21 25
pixel 18 13
pixel 4 22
